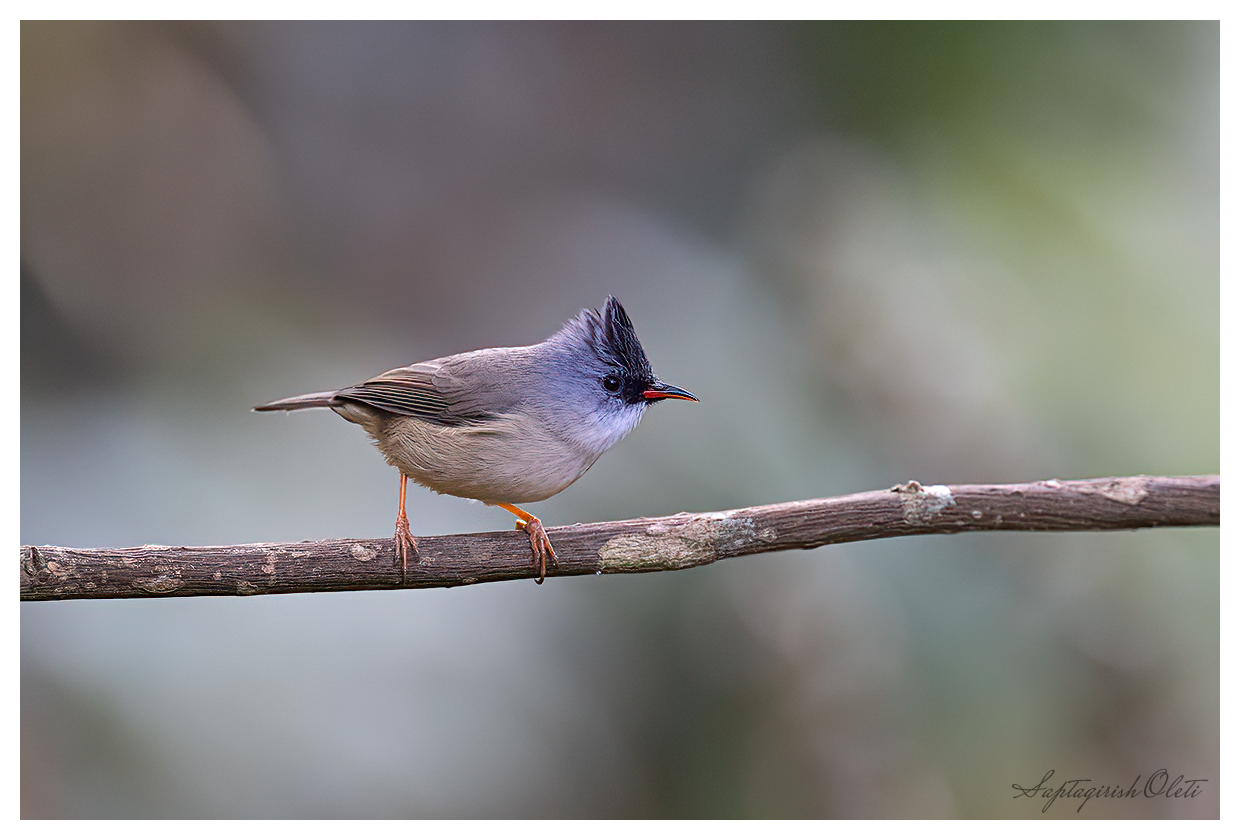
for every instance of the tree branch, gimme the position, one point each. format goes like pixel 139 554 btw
pixel 637 545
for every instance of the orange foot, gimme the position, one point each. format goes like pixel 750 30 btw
pixel 540 543
pixel 406 546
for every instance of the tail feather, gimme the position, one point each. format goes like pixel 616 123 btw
pixel 323 399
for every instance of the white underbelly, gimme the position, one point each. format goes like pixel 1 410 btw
pixel 506 460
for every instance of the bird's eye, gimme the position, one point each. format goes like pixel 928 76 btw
pixel 612 383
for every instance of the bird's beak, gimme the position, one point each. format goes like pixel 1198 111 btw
pixel 662 391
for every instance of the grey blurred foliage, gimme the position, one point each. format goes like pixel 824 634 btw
pixel 878 252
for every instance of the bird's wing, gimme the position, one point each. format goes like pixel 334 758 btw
pixel 430 392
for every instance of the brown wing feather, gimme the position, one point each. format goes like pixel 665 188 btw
pixel 427 391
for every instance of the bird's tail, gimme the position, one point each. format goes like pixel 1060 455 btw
pixel 323 399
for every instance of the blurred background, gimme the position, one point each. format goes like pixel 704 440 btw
pixel 877 252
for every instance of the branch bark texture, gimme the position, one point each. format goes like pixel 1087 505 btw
pixel 638 545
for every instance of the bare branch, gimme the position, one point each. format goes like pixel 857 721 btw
pixel 638 545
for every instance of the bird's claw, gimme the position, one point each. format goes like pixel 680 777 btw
pixel 406 546
pixel 540 543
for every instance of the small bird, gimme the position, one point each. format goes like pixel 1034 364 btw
pixel 505 425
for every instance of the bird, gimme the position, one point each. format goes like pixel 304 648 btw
pixel 505 425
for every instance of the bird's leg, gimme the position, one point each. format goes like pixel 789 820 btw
pixel 540 543
pixel 404 542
